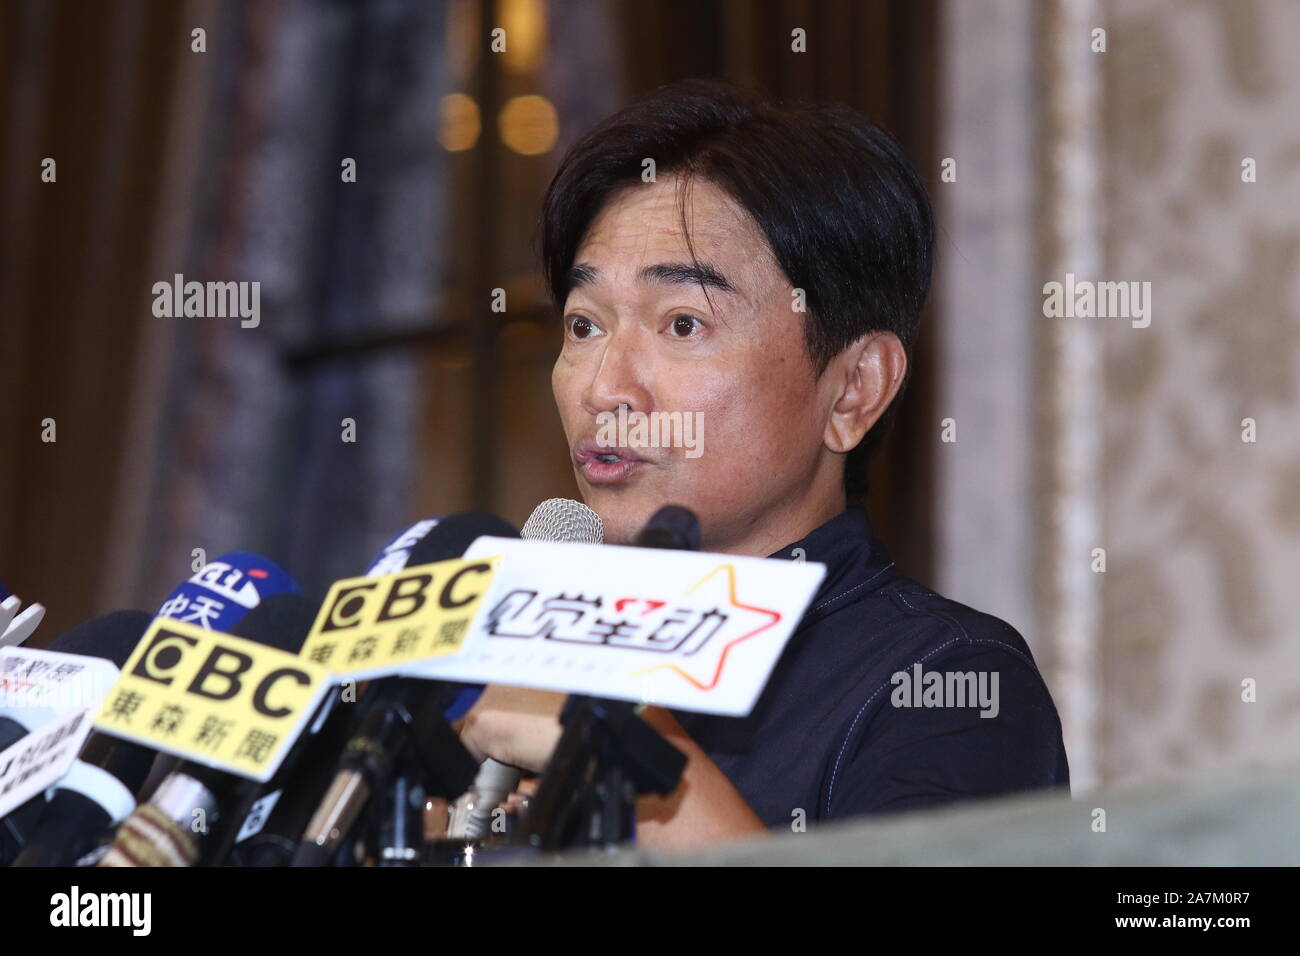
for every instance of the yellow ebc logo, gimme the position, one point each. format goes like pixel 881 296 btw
pixel 373 626
pixel 213 698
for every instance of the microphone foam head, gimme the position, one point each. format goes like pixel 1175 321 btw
pixel 112 636
pixel 281 621
pixel 563 519
pixel 452 535
pixel 673 526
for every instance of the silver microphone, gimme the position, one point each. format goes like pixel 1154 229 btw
pixel 555 519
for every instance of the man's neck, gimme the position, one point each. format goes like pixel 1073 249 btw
pixel 782 527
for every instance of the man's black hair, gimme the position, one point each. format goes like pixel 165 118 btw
pixel 846 215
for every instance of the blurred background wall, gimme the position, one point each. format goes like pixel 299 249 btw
pixel 1029 449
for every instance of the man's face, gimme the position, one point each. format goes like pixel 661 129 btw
pixel 638 330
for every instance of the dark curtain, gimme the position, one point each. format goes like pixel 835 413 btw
pixel 184 434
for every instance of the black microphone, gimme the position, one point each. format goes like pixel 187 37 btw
pixel 112 637
pixel 216 596
pixel 276 817
pixel 96 794
pixel 398 713
pixel 606 753
pixel 672 527
pixel 159 832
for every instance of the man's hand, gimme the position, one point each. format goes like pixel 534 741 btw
pixel 514 725
pixel 704 810
pixel 521 727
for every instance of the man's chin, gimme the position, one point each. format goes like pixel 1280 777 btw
pixel 623 518
pixel 620 528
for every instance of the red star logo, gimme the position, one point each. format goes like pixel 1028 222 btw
pixel 710 682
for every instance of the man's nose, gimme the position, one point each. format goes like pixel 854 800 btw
pixel 619 380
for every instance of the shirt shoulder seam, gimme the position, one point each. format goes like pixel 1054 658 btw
pixel 856 587
pixel 951 622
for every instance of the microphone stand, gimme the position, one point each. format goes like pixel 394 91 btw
pixel 401 816
pixel 606 757
pixel 403 726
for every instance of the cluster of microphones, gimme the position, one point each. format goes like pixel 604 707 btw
pixel 371 763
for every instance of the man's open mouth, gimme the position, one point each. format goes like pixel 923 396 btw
pixel 602 465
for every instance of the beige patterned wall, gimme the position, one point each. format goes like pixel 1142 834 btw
pixel 1083 433
pixel 1201 529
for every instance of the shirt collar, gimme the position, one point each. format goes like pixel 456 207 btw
pixel 857 562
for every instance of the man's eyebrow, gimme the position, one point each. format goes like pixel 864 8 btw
pixel 580 275
pixel 678 273
pixel 688 273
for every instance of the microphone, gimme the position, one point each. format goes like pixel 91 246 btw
pixel 607 754
pixel 672 527
pixel 275 818
pixel 107 775
pixel 398 713
pixel 112 637
pixel 96 794
pixel 109 637
pixel 223 591
pixel 216 597
pixel 159 832
pixel 563 519
pixel 555 519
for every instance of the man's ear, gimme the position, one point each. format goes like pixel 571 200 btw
pixel 865 376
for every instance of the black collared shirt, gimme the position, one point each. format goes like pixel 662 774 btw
pixel 838 731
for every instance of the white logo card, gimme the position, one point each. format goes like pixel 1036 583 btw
pixel 689 630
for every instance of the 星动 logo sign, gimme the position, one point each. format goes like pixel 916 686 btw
pixel 684 629
pixel 696 632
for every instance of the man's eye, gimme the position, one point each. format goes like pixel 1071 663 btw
pixel 580 327
pixel 684 325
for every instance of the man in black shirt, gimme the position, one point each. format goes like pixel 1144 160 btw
pixel 762 267
pixel 826 740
